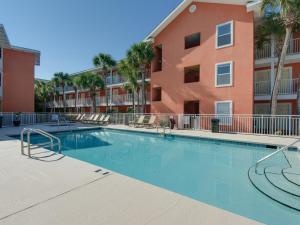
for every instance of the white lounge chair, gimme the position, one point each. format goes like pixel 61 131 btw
pixel 106 120
pixel 139 120
pixel 101 118
pixel 151 123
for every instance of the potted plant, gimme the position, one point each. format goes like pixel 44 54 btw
pixel 17 119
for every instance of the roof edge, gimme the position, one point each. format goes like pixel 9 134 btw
pixel 250 6
pixel 4 36
pixel 35 52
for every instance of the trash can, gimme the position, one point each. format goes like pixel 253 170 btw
pixel 215 125
pixel 1 121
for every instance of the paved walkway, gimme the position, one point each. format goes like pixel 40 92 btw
pixel 71 192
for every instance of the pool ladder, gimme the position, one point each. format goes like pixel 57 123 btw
pixel 51 143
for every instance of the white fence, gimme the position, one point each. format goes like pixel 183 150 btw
pixel 25 118
pixel 252 124
pixel 288 125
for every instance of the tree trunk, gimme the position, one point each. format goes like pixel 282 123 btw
pixel 143 92
pixel 94 102
pixel 64 99
pixel 76 95
pixel 298 97
pixel 53 103
pixel 106 99
pixel 45 105
pixel 279 71
pixel 138 101
pixel 133 101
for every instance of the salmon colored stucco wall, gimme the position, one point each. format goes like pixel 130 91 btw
pixel 175 58
pixel 18 81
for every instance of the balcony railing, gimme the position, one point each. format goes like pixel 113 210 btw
pixel 265 51
pixel 116 79
pixel 286 87
pixel 125 99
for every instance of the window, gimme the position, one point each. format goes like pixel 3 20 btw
pixel 192 41
pixel 224 35
pixel 192 74
pixel 223 74
pixel 157 64
pixel 156 94
pixel 223 111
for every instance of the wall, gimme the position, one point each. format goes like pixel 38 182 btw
pixel 175 58
pixel 18 81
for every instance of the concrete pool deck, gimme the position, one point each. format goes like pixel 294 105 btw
pixel 61 190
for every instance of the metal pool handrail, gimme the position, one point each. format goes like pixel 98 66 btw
pixel 41 132
pixel 274 153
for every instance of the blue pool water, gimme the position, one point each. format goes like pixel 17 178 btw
pixel 213 172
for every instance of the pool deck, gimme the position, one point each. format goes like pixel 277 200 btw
pixel 60 190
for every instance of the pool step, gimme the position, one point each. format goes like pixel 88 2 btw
pixel 292 175
pixel 275 177
pixel 260 181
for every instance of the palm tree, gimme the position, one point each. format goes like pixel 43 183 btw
pixel 42 93
pixel 131 76
pixel 61 80
pixel 106 63
pixel 289 12
pixel 52 93
pixel 92 82
pixel 140 56
pixel 75 83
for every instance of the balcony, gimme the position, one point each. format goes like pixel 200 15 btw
pixel 127 99
pixel 117 100
pixel 287 89
pixel 263 55
pixel 116 79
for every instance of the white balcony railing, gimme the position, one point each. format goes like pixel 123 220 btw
pixel 265 51
pixel 115 79
pixel 287 87
pixel 125 99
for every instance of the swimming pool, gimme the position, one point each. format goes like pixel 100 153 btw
pixel 214 172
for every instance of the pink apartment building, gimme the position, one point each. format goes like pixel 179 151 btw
pixel 16 76
pixel 207 63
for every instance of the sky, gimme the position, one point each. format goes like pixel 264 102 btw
pixel 69 33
